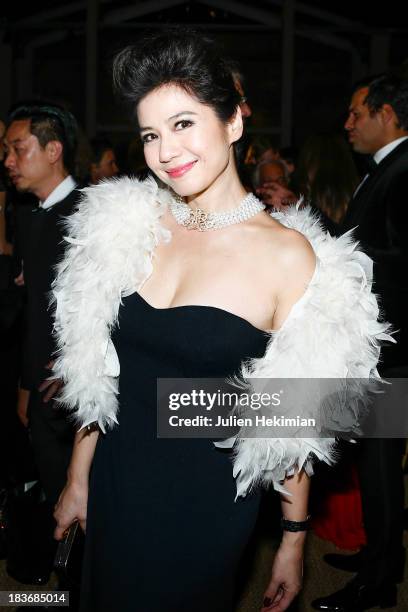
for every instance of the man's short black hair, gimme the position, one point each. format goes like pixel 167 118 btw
pixel 50 122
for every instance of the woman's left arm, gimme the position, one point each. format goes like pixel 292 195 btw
pixel 298 263
pixel 287 568
pixel 333 333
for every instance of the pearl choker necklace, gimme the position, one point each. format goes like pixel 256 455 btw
pixel 200 220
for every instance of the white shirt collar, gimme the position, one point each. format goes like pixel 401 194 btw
pixel 384 151
pixel 59 193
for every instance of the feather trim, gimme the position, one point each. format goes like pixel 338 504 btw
pixel 333 333
pixel 111 240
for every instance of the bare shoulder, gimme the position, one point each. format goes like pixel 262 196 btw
pixel 289 249
pixel 295 251
pixel 287 265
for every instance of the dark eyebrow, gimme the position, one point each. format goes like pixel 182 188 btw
pixel 143 129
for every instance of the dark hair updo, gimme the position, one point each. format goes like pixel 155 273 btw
pixel 188 59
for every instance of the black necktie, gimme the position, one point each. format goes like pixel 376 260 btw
pixel 370 164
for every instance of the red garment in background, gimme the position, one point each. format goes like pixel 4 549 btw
pixel 337 515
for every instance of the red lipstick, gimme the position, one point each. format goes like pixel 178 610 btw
pixel 180 170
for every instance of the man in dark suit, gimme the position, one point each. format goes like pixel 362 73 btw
pixel 377 126
pixel 40 150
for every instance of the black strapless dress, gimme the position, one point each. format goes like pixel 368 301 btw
pixel 163 530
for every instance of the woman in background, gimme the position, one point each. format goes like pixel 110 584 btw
pixel 327 175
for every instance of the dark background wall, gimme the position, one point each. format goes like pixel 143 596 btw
pixel 34 66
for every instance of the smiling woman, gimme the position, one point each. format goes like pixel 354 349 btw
pixel 188 150
pixel 204 284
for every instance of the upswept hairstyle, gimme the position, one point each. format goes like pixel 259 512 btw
pixel 388 88
pixel 185 58
pixel 51 122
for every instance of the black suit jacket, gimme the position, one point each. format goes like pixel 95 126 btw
pixel 379 212
pixel 44 249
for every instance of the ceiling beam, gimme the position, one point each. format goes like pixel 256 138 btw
pixel 246 11
pixel 146 7
pixel 274 21
pixel 318 13
pixel 55 13
pixel 139 9
pixel 266 18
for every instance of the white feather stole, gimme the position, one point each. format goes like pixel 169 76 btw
pixel 331 332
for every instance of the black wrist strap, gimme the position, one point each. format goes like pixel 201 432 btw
pixel 295 525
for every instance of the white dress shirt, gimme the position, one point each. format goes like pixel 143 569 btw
pixel 384 151
pixel 380 155
pixel 59 193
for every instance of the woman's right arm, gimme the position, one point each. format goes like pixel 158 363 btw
pixel 72 503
